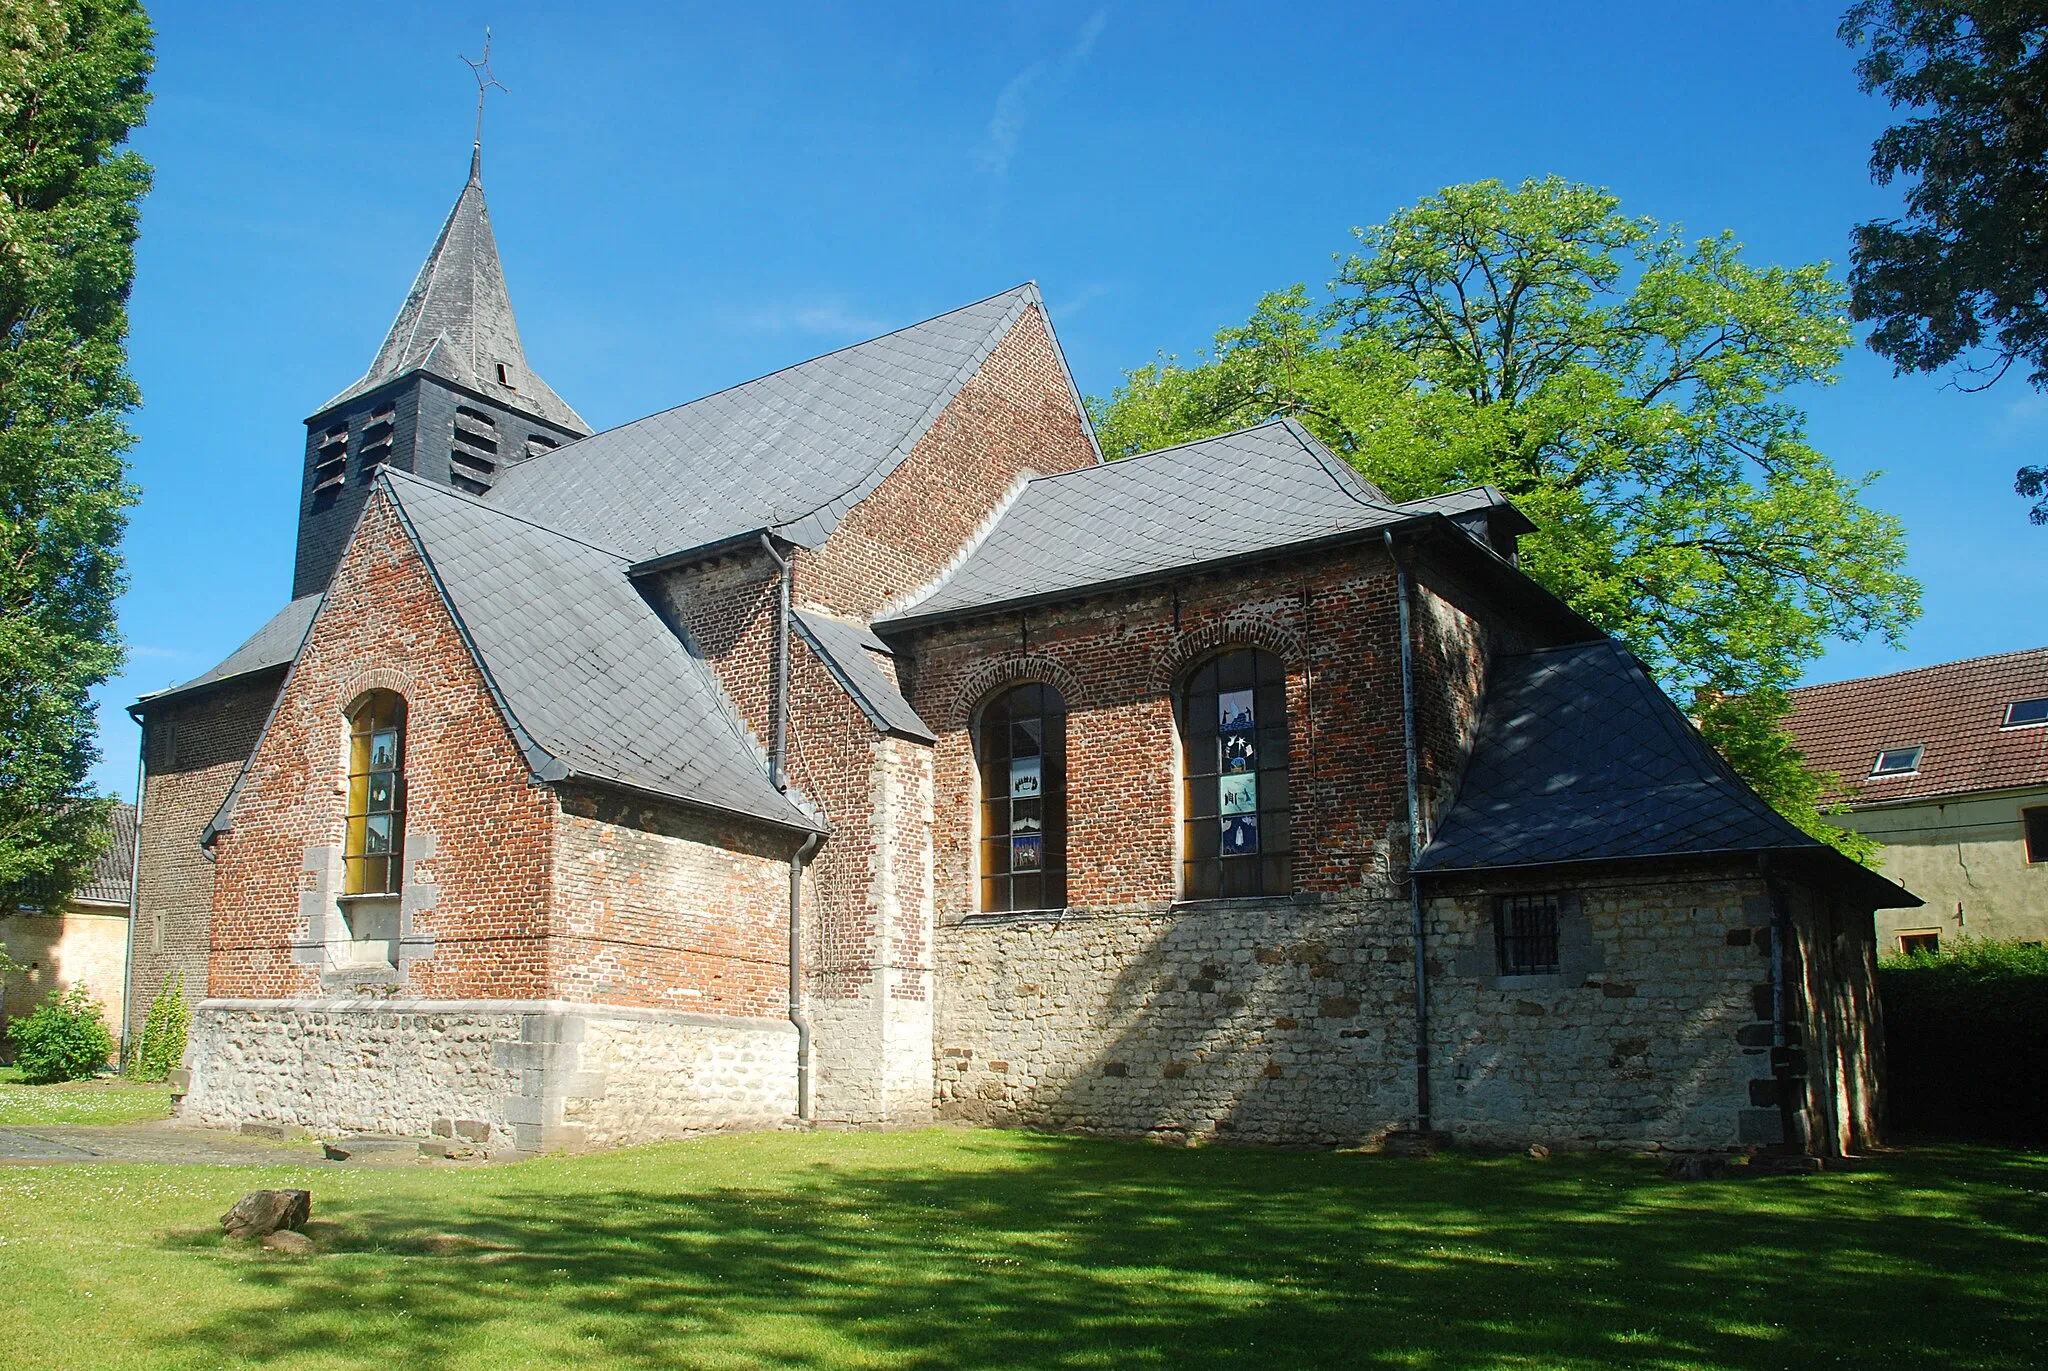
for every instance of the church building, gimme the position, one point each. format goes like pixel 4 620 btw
pixel 856 747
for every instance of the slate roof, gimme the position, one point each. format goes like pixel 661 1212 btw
pixel 1579 757
pixel 592 681
pixel 275 644
pixel 790 452
pixel 1254 491
pixel 1955 712
pixel 457 321
pixel 845 650
pixel 113 875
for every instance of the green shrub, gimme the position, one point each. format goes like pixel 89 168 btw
pixel 1966 1041
pixel 66 1039
pixel 163 1033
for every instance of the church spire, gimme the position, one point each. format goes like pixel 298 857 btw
pixel 457 321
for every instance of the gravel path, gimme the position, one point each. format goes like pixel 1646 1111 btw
pixel 166 1141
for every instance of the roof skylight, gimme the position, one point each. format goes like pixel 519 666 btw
pixel 1897 761
pixel 2022 713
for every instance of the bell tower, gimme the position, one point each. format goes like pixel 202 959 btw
pixel 449 398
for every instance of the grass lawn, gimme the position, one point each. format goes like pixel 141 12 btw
pixel 998 1250
pixel 105 1100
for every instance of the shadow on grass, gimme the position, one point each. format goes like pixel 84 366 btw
pixel 1037 1251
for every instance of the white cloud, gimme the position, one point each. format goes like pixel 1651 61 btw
pixel 1014 105
pixel 829 318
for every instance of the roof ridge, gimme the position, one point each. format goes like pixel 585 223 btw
pixel 965 372
pixel 1157 451
pixel 503 513
pixel 770 375
pixel 1349 480
pixel 1917 670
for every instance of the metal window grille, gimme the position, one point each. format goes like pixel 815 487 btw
pixel 1526 927
pixel 1022 751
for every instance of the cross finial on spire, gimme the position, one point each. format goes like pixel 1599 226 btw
pixel 481 70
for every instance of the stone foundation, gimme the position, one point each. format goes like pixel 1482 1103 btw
pixel 523 1076
pixel 1270 1021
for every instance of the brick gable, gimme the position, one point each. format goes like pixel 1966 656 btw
pixel 478 835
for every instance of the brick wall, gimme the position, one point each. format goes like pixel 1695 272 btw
pixel 1015 418
pixel 478 836
pixel 1333 619
pixel 193 748
pixel 660 906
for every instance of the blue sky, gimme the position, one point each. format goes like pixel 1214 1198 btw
pixel 688 196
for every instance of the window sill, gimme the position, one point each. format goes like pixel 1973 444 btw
pixel 370 896
pixel 1250 902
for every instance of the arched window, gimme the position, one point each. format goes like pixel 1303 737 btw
pixel 1238 837
pixel 374 848
pixel 1022 748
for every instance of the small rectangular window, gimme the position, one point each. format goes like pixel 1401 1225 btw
pixel 1525 927
pixel 2036 821
pixel 1924 940
pixel 2026 713
pixel 1897 761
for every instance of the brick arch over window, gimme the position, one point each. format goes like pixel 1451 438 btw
pixel 984 681
pixel 374 678
pixel 1195 645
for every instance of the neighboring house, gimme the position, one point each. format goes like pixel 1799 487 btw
pixel 855 746
pixel 1947 767
pixel 84 944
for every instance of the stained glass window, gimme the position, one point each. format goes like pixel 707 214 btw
pixel 1021 746
pixel 373 850
pixel 1238 836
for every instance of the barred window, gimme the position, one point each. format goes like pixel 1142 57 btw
pixel 1238 834
pixel 1525 926
pixel 373 850
pixel 1022 748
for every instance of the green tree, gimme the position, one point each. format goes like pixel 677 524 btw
pixel 73 79
pixel 1626 387
pixel 1962 279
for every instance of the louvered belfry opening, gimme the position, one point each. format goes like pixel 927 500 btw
pixel 330 459
pixel 376 440
pixel 473 456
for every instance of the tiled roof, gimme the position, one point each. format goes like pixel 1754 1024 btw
pixel 457 321
pixel 594 683
pixel 1253 491
pixel 790 452
pixel 113 875
pixel 273 645
pixel 844 648
pixel 1580 757
pixel 1953 712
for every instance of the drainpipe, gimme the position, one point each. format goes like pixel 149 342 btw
pixel 1781 1074
pixel 1416 839
pixel 796 976
pixel 134 901
pixel 778 746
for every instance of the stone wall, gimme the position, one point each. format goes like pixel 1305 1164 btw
pixel 522 1076
pixel 1275 1021
pixel 1647 1037
pixel 1292 1021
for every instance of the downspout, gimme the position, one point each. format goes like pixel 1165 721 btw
pixel 134 899
pixel 778 772
pixel 1781 1057
pixel 778 743
pixel 1416 839
pixel 796 976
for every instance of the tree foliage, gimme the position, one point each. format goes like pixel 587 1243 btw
pixel 1962 279
pixel 1626 388
pixel 72 84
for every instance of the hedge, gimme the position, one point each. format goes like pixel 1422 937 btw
pixel 1966 1041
